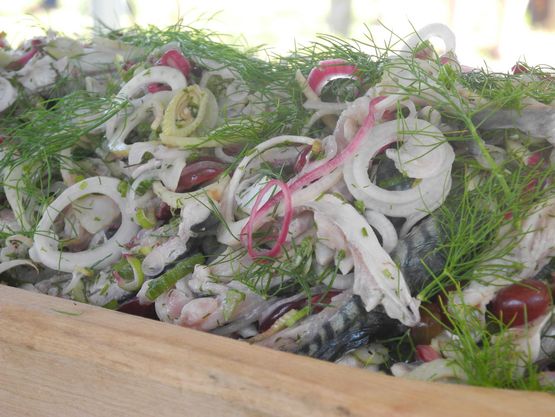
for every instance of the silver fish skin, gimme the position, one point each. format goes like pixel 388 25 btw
pixel 419 247
pixel 537 120
pixel 351 326
pixel 385 171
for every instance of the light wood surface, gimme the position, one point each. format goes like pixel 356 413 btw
pixel 62 359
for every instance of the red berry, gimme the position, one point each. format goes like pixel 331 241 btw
pixel 431 317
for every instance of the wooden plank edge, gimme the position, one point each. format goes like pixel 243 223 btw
pixel 62 358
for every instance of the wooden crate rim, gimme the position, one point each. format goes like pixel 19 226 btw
pixel 62 358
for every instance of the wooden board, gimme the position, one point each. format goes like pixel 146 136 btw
pixel 62 359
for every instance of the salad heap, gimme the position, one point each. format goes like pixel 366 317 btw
pixel 383 207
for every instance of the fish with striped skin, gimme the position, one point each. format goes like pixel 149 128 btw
pixel 351 326
pixel 537 120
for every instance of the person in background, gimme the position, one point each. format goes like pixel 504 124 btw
pixel 340 16
pixel 108 13
pixel 542 14
pixel 43 6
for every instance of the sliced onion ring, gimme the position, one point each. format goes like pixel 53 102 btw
pixel 329 70
pixel 427 32
pixel 255 218
pixel 45 248
pixel 426 196
pixel 329 166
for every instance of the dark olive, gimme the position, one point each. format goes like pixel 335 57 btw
pixel 521 302
pixel 135 308
pixel 198 173
pixel 163 212
pixel 430 325
pixel 319 302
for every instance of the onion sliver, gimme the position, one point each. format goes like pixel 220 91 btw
pixel 432 30
pixel 426 196
pixel 229 231
pixel 8 94
pixel 14 194
pixel 5 266
pixel 229 195
pixel 178 200
pixel 253 219
pixel 384 227
pixel 121 125
pixel 45 248
pixel 166 75
pixel 329 70
pixel 330 165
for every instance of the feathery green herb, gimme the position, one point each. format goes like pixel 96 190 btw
pixel 35 138
pixel 487 352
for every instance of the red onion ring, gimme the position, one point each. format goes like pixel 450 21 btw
pixel 328 70
pixel 333 163
pixel 256 215
pixel 175 59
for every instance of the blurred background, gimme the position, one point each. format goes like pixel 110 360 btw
pixel 498 32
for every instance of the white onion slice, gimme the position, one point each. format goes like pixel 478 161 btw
pixel 8 94
pixel 5 266
pixel 122 124
pixel 438 30
pixel 45 248
pixel 384 227
pixel 317 116
pixel 14 194
pixel 427 195
pixel 157 74
pixel 95 212
pixel 229 195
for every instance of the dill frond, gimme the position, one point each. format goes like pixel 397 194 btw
pixel 486 351
pixel 35 138
pixel 511 90
pixel 292 272
pixel 472 219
